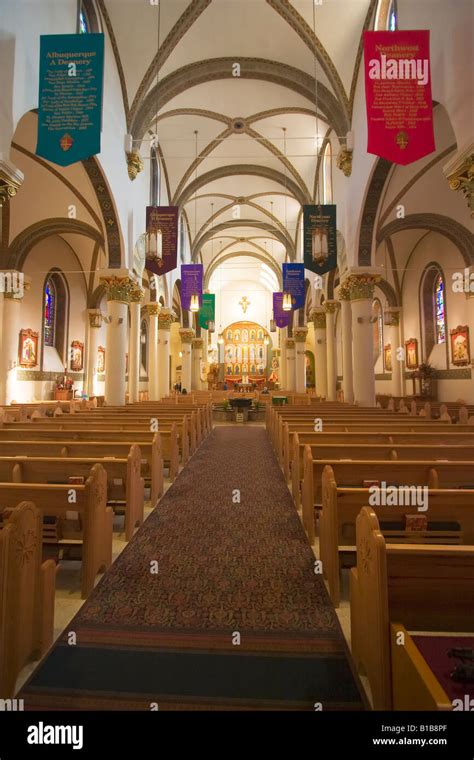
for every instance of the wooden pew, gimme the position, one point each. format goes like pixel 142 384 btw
pixel 151 455
pixel 91 503
pixel 381 446
pixel 340 507
pixel 421 587
pixel 27 469
pixel 434 474
pixel 26 595
pixel 65 435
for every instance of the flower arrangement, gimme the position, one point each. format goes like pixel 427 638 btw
pixel 64 383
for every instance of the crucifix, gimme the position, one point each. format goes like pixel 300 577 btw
pixel 244 303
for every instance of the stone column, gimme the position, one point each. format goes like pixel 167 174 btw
pixel 196 383
pixel 346 327
pixel 93 337
pixel 362 292
pixel 469 289
pixel 136 298
pixel 118 289
pixel 165 320
pixel 282 373
pixel 10 343
pixel 153 380
pixel 300 334
pixel 331 307
pixel 187 334
pixel 318 317
pixel 290 364
pixel 392 321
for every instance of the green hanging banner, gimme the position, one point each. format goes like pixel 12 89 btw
pixel 207 310
pixel 70 97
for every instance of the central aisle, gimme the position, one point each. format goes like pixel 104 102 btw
pixel 235 617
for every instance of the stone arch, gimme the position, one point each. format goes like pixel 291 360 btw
pixel 369 214
pixel 31 236
pixel 273 231
pixel 389 293
pixel 218 260
pixel 459 235
pixel 214 69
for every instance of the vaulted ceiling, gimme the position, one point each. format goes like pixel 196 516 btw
pixel 239 146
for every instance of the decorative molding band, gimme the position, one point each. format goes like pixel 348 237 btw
pixel 447 374
pixel 107 207
pixel 37 375
pixel 383 376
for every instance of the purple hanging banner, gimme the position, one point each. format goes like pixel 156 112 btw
pixel 191 283
pixel 282 318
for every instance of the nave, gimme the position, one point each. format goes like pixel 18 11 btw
pixel 234 617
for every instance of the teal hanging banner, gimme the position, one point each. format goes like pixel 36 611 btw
pixel 207 310
pixel 320 238
pixel 70 97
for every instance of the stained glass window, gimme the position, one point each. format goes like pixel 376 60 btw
pixel 440 310
pixel 49 321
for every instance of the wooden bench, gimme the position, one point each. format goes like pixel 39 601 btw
pixel 90 502
pixel 431 473
pixel 340 507
pixel 380 448
pixel 143 437
pixel 151 455
pixel 26 595
pixel 27 469
pixel 420 587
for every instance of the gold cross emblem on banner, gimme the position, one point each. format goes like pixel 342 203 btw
pixel 244 303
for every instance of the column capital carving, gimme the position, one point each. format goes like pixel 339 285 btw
pixel 118 287
pixel 460 175
pixel 391 317
pixel 318 317
pixel 344 292
pixel 187 334
pixel 153 309
pixel 165 319
pixel 95 317
pixel 330 306
pixel 137 293
pixel 198 343
pixel 344 161
pixel 134 164
pixel 300 333
pixel 361 286
pixel 11 180
pixel 289 343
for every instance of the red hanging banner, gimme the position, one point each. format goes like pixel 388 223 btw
pixel 398 95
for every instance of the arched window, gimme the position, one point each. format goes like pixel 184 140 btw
pixel 49 314
pixel 55 320
pixel 439 310
pixel 377 313
pixel 327 174
pixel 144 345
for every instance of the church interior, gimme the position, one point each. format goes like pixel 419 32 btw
pixel 237 356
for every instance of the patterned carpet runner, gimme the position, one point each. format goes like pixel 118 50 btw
pixel 214 604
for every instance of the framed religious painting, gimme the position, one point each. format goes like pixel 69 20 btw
pixel 100 360
pixel 460 354
pixel 387 357
pixel 77 356
pixel 28 348
pixel 411 353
